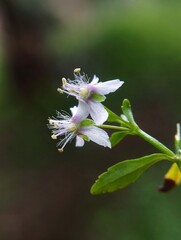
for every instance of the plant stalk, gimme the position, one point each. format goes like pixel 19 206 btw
pixel 155 143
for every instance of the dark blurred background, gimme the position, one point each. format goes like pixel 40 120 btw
pixel 44 195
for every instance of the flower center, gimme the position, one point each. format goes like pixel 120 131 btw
pixel 84 92
pixel 73 127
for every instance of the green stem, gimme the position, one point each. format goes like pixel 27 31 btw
pixel 155 142
pixel 145 136
pixel 113 127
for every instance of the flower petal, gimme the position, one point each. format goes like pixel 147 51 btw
pixel 97 112
pixel 73 110
pixel 108 87
pixel 94 80
pixel 79 113
pixel 82 110
pixel 96 135
pixel 79 142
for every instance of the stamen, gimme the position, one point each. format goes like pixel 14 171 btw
pixel 53 136
pixel 60 90
pixel 77 70
pixel 56 125
pixel 65 141
pixel 64 81
pixel 51 122
pixel 60 149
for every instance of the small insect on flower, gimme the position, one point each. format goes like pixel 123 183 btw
pixel 76 126
pixel 90 94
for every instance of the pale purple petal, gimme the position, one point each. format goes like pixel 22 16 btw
pixel 104 88
pixel 79 142
pixel 79 113
pixel 96 135
pixel 82 110
pixel 73 110
pixel 97 112
pixel 95 80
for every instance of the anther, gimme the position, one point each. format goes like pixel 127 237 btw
pixel 77 70
pixel 53 136
pixel 60 149
pixel 64 81
pixel 51 122
pixel 60 90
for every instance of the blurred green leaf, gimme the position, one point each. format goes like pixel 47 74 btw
pixel 87 122
pixel 124 173
pixel 112 117
pixel 98 97
pixel 126 108
pixel 117 137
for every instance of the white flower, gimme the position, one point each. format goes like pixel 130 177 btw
pixel 90 94
pixel 73 126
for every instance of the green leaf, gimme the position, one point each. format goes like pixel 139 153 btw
pixel 117 137
pixel 112 117
pixel 87 122
pixel 98 97
pixel 126 108
pixel 124 173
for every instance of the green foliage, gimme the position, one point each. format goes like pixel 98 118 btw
pixel 112 116
pixel 124 173
pixel 87 122
pixel 117 137
pixel 126 108
pixel 98 97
